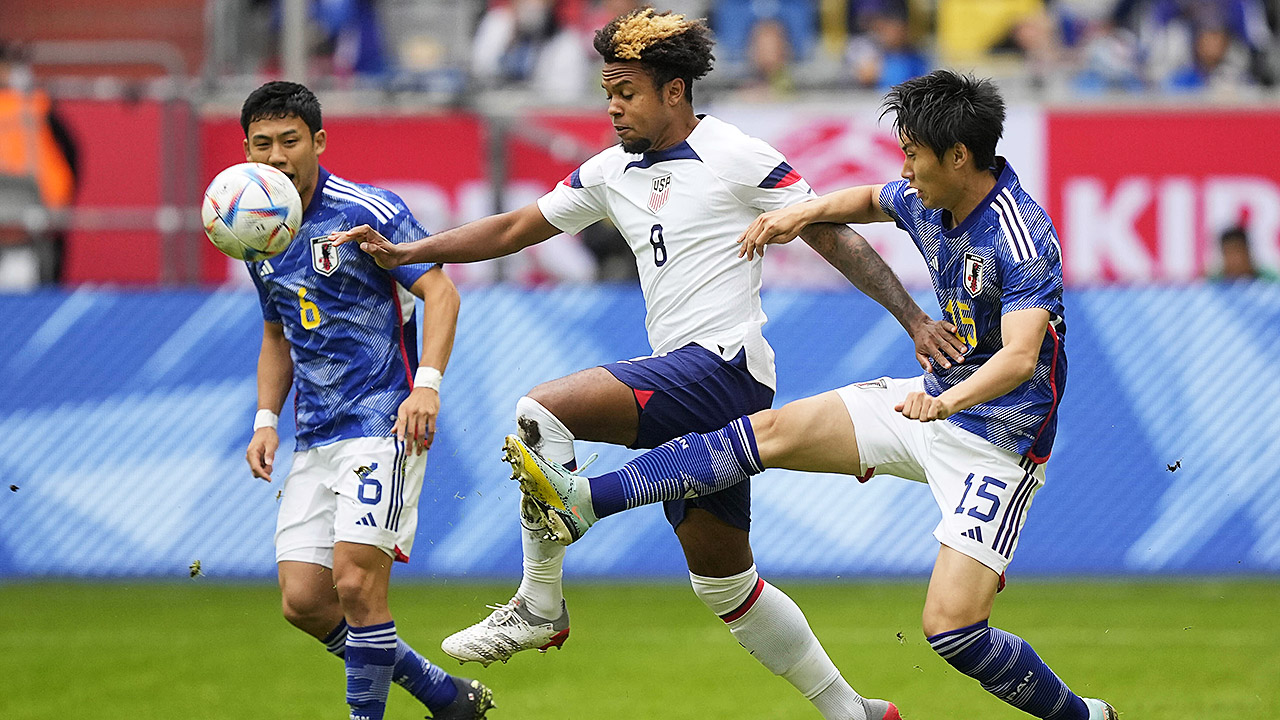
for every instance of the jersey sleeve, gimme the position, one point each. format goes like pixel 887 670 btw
pixel 1031 274
pixel 760 177
pixel 893 201
pixel 577 201
pixel 403 227
pixel 269 311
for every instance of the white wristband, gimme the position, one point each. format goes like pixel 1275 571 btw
pixel 265 418
pixel 428 377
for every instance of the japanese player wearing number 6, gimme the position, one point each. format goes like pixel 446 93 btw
pixel 680 187
pixel 340 331
pixel 978 433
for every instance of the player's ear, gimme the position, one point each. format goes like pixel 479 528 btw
pixel 319 140
pixel 959 154
pixel 675 91
pixel 246 150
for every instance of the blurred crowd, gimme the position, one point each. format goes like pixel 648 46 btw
pixel 771 48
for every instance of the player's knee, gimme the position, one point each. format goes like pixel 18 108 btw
pixel 936 621
pixel 306 611
pixel 536 423
pixel 357 590
pixel 769 427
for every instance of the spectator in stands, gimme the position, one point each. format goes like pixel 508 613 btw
pixel 1198 44
pixel 880 53
pixel 769 55
pixel 1237 259
pixel 1218 59
pixel 734 23
pixel 37 172
pixel 1106 52
pixel 533 42
pixel 353 34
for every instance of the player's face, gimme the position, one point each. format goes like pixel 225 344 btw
pixel 640 115
pixel 287 145
pixel 932 177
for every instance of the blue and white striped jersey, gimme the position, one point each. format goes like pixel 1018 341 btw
pixel 1004 257
pixel 350 324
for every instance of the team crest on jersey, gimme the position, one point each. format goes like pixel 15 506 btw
pixel 661 191
pixel 324 256
pixel 973 273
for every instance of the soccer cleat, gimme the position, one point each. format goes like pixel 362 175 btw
pixel 509 629
pixel 564 497
pixel 880 710
pixel 1100 710
pixel 473 702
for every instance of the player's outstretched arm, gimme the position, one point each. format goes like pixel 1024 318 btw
pixel 483 239
pixel 1022 332
pixel 848 252
pixel 416 418
pixel 275 376
pixel 858 204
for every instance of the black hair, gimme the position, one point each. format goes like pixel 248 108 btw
pixel 943 108
pixel 666 45
pixel 1235 233
pixel 281 99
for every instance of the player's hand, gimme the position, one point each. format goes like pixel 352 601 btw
pixel 262 452
pixel 924 407
pixel 937 341
pixel 384 252
pixel 416 419
pixel 776 227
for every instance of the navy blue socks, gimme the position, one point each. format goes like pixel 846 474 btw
pixel 690 466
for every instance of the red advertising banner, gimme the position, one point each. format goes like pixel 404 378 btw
pixel 1142 197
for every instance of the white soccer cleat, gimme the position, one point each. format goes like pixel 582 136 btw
pixel 565 498
pixel 1100 709
pixel 880 710
pixel 509 629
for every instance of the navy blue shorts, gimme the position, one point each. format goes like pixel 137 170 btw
pixel 694 390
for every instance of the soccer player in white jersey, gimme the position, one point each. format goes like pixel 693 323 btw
pixel 680 187
pixel 977 432
pixel 340 331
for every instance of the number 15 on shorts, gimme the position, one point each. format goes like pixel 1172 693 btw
pixel 985 505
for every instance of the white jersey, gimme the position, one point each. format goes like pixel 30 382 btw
pixel 681 210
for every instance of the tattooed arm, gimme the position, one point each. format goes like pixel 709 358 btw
pixel 849 252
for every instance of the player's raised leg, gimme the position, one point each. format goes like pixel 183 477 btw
pixel 813 434
pixel 956 611
pixel 600 408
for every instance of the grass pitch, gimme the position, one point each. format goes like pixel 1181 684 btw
pixel 203 649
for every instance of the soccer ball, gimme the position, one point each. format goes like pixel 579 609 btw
pixel 251 211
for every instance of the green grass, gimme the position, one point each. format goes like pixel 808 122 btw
pixel 201 649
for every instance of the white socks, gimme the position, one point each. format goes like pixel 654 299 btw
pixel 543 560
pixel 769 624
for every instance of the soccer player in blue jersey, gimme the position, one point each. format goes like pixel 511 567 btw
pixel 340 331
pixel 978 432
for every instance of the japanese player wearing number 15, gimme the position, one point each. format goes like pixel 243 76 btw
pixel 341 332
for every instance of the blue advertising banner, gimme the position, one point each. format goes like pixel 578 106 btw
pixel 125 416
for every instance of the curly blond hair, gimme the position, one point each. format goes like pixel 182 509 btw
pixel 667 44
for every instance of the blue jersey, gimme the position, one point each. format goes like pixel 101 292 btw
pixel 1004 257
pixel 350 324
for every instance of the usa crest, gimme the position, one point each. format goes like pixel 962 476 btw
pixel 324 256
pixel 661 191
pixel 973 273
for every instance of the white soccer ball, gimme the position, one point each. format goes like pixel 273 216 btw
pixel 251 211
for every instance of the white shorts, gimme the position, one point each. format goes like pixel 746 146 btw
pixel 362 490
pixel 983 491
